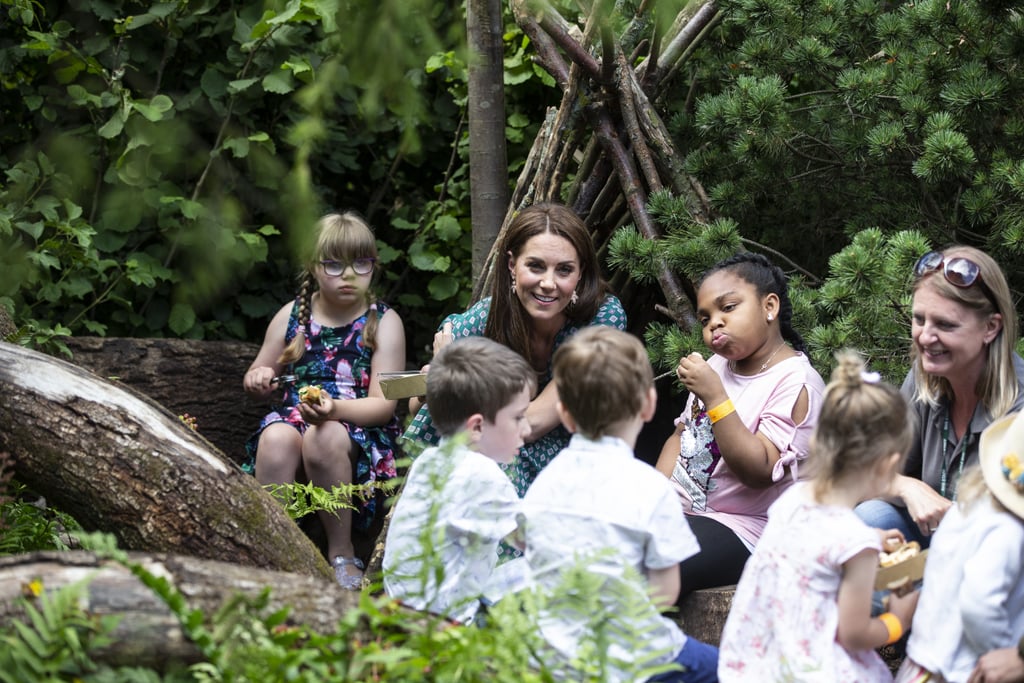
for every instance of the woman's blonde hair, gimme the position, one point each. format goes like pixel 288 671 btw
pixel 340 237
pixel 863 419
pixel 997 385
pixel 971 488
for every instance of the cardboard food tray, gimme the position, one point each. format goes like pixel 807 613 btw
pixel 402 384
pixel 912 569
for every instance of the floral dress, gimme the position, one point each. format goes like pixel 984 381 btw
pixel 338 362
pixel 532 456
pixel 785 614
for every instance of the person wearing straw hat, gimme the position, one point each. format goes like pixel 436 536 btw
pixel 972 601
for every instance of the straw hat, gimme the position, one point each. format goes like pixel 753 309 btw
pixel 1001 452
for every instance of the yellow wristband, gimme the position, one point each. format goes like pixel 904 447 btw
pixel 721 410
pixel 893 625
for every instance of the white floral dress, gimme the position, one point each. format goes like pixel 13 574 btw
pixel 784 617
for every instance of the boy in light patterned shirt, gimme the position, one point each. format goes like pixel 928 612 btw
pixel 457 504
pixel 596 506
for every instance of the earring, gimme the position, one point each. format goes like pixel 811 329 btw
pixel 771 317
pixel 513 287
pixel 574 298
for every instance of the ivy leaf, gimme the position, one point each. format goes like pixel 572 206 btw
pixel 80 95
pixel 155 109
pixel 239 85
pixel 213 83
pixel 183 317
pixel 113 127
pixel 447 228
pixel 386 253
pixel 238 146
pixel 280 82
pixel 328 11
pixel 422 259
pixel 443 287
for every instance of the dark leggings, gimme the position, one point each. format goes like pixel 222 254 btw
pixel 720 560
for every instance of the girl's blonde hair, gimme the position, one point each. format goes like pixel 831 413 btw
pixel 863 419
pixel 340 237
pixel 997 385
pixel 971 488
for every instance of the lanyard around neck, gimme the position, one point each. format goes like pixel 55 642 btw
pixel 963 455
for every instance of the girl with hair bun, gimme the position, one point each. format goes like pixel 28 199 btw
pixel 802 608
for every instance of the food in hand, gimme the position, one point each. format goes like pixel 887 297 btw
pixel 310 395
pixel 901 554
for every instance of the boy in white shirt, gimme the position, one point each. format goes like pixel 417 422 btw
pixel 597 507
pixel 457 504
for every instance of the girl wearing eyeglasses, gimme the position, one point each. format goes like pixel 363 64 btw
pixel 965 374
pixel 337 337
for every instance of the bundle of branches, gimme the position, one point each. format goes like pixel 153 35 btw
pixel 605 149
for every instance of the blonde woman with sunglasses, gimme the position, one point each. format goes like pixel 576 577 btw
pixel 964 375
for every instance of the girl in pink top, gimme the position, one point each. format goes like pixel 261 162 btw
pixel 748 420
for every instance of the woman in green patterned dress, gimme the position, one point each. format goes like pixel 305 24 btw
pixel 550 287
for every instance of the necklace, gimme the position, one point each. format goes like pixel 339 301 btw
pixel 764 365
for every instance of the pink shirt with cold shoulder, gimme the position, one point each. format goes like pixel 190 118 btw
pixel 701 477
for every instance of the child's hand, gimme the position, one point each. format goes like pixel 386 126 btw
pixel 697 376
pixel 891 539
pixel 317 413
pixel 903 606
pixel 258 381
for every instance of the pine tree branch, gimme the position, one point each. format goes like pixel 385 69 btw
pixel 811 277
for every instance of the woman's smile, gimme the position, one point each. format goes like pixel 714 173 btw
pixel 545 274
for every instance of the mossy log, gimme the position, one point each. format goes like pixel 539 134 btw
pixel 117 461
pixel 148 634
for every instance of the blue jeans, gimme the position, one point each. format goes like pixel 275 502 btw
pixel 699 661
pixel 879 514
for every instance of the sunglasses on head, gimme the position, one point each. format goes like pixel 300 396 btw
pixel 959 271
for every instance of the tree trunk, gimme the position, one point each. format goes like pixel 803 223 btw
pixel 149 635
pixel 488 168
pixel 116 461
pixel 200 378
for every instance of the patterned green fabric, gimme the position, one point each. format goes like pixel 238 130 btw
pixel 533 457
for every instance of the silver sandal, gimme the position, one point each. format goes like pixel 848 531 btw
pixel 346 580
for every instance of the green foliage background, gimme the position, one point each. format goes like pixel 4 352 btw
pixel 163 162
pixel 845 138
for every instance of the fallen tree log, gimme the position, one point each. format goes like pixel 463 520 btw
pixel 119 462
pixel 148 633
pixel 199 377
